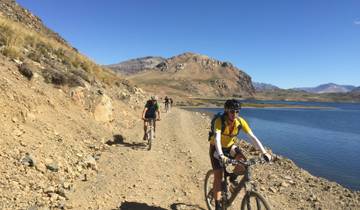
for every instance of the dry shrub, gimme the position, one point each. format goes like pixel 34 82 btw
pixel 30 41
pixel 82 74
pixel 35 56
pixel 57 77
pixel 73 81
pixel 54 77
pixel 5 34
pixel 26 71
pixel 11 52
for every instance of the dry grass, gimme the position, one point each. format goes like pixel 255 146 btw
pixel 18 42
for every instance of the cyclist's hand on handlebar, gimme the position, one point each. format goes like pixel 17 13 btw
pixel 224 159
pixel 267 157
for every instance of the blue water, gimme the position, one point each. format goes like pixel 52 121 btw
pixel 325 142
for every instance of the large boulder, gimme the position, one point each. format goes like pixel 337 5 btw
pixel 103 109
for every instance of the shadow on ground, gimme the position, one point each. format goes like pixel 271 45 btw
pixel 118 139
pixel 138 206
pixel 184 206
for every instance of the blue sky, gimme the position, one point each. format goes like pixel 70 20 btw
pixel 288 43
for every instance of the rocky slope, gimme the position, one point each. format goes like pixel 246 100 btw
pixel 51 137
pixel 57 107
pixel 194 75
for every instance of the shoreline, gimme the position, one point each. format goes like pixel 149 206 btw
pixel 254 105
pixel 210 114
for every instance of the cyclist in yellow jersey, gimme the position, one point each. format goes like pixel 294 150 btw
pixel 222 144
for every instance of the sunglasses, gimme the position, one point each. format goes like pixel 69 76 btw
pixel 234 111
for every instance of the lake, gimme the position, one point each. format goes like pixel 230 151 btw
pixel 325 142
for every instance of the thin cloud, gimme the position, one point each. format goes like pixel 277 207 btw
pixel 357 22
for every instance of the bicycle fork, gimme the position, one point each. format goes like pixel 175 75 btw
pixel 224 192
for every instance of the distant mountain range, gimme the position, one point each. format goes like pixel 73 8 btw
pixel 356 90
pixel 324 88
pixel 327 88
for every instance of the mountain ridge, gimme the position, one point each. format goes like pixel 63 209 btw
pixel 191 74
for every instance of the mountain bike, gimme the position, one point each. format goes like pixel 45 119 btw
pixel 252 199
pixel 150 132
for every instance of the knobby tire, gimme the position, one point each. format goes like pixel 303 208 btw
pixel 261 203
pixel 209 198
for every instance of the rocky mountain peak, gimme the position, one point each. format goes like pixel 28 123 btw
pixel 203 60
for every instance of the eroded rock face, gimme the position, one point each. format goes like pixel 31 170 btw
pixel 103 111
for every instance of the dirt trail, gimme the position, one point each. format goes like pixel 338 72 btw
pixel 131 177
pixel 171 175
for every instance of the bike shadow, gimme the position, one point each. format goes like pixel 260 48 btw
pixel 119 139
pixel 138 206
pixel 184 206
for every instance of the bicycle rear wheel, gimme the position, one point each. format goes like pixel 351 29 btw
pixel 150 137
pixel 254 201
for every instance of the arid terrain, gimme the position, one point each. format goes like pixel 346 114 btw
pixel 71 137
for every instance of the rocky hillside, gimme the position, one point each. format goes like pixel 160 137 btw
pixel 57 107
pixel 134 66
pixel 194 75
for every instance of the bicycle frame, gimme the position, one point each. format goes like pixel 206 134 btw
pixel 244 183
pixel 227 198
pixel 150 124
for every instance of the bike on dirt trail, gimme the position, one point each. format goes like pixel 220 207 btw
pixel 252 199
pixel 150 132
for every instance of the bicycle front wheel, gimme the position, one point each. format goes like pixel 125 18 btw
pixel 208 190
pixel 254 201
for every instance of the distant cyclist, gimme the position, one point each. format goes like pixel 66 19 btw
pixel 151 111
pixel 167 103
pixel 171 102
pixel 222 144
